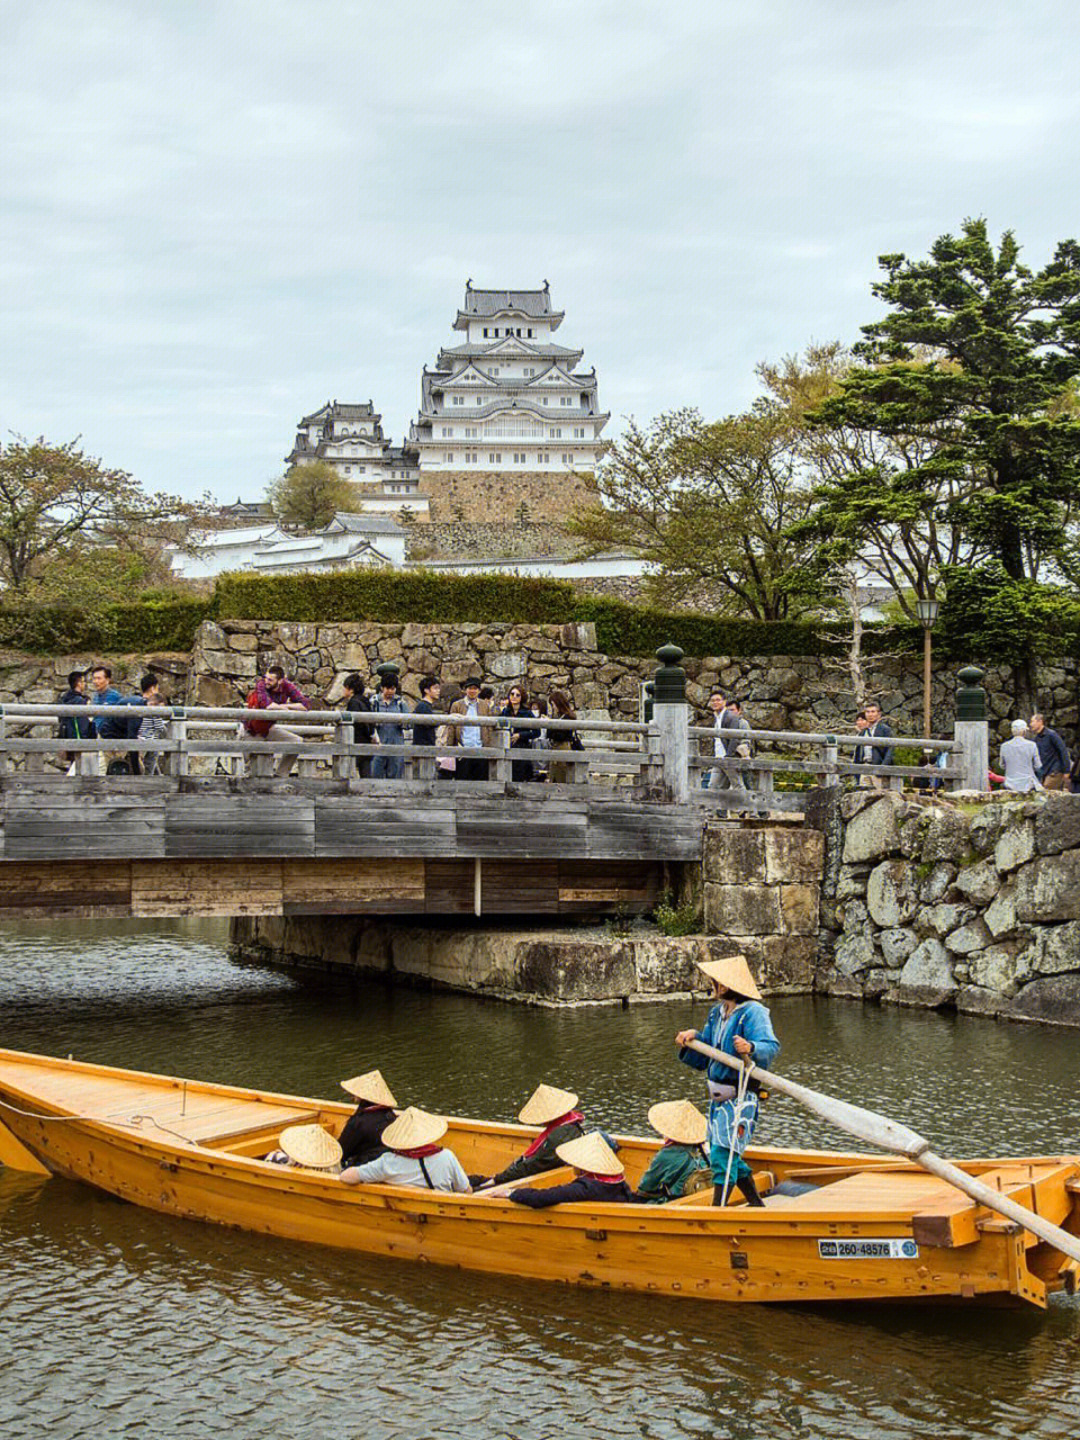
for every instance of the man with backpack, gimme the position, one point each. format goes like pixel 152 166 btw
pixel 273 692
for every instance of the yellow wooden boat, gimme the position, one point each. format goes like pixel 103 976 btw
pixel 870 1228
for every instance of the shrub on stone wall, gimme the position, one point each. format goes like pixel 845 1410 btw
pixel 117 629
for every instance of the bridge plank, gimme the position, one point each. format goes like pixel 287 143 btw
pixel 78 890
pixel 349 887
pixel 383 826
pixel 91 827
pixel 238 887
pixel 239 825
pixel 511 888
pixel 449 887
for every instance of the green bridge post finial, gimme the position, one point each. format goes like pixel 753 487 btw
pixel 670 682
pixel 970 694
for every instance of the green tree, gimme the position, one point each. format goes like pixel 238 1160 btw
pixel 309 496
pixel 64 515
pixel 970 376
pixel 709 506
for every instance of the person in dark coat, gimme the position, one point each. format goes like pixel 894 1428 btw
pixel 74 727
pixel 556 1111
pixel 361 1139
pixel 520 740
pixel 600 1176
pixel 356 699
pixel 1054 759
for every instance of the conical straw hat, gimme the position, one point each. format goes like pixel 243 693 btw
pixel 547 1103
pixel 589 1152
pixel 370 1087
pixel 310 1145
pixel 414 1128
pixel 680 1121
pixel 733 973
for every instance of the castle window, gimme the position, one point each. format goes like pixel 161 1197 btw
pixel 530 335
pixel 447 430
pixel 543 457
pixel 479 399
pixel 495 457
pixel 579 433
pixel 545 399
pixel 457 400
pixel 567 459
pixel 470 457
pixel 485 332
pixel 495 370
pixel 519 457
pixel 566 400
pixel 556 433
pixel 449 457
pixel 470 432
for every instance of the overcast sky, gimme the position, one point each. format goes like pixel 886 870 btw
pixel 215 216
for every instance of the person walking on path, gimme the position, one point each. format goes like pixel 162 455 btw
pixel 1020 761
pixel 151 727
pixel 739 1025
pixel 1054 759
pixel 877 729
pixel 387 732
pixel 422 734
pixel 358 701
pixel 273 692
pixel 470 737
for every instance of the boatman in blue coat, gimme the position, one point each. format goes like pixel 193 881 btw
pixel 739 1025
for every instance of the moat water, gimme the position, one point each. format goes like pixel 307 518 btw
pixel 116 1322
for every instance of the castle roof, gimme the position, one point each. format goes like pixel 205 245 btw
pixel 526 348
pixel 332 410
pixel 518 407
pixel 480 304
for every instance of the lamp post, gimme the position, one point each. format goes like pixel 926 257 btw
pixel 927 611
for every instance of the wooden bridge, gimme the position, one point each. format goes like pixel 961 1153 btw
pixel 213 832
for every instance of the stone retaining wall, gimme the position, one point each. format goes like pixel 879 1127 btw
pixel 548 967
pixel 779 692
pixel 973 905
pixel 486 495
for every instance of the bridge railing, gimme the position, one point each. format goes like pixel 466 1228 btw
pixel 216 739
pixel 799 760
pixel 665 754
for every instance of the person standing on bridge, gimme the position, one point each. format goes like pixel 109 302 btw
pixel 388 732
pixel 274 692
pixel 739 1025
pixel 471 737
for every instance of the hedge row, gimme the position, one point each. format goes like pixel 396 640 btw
pixel 67 629
pixel 426 597
pixel 422 597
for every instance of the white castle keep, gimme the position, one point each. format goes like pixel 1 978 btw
pixel 508 398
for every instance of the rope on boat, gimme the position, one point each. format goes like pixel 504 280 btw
pixel 739 1103
pixel 135 1122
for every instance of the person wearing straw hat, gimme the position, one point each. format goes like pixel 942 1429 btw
pixel 310 1147
pixel 361 1139
pixel 556 1112
pixel 738 1024
pixel 599 1176
pixel 413 1156
pixel 680 1166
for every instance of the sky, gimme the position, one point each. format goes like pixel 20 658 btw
pixel 216 216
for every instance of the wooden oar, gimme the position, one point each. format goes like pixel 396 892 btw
pixel 888 1135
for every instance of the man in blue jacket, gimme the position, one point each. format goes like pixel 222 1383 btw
pixel 1054 761
pixel 105 693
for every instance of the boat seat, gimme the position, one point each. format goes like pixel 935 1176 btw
pixel 765 1180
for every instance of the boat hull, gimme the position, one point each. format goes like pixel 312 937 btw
pixel 781 1253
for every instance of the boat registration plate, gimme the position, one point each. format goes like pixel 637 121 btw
pixel 868 1250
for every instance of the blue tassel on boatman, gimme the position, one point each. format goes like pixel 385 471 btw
pixel 740 1025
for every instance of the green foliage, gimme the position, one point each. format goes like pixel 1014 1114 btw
pixel 134 628
pixel 672 919
pixel 990 617
pixel 620 923
pixel 427 597
pixel 310 495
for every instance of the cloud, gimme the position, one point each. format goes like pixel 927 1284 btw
pixel 215 216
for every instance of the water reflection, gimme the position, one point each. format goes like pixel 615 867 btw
pixel 120 1322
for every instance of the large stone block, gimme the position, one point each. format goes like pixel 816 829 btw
pixel 1054 999
pixel 929 967
pixel 1054 950
pixel 742 909
pixel 1000 914
pixel 1015 847
pixel 968 938
pixel 897 945
pixel 793 855
pixel 1057 825
pixel 993 969
pixel 874 832
pixel 946 835
pixel 890 894
pixel 854 954
pixel 1049 888
pixel 935 885
pixel 733 856
pixel 799 909
pixel 980 883
pixel 940 919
